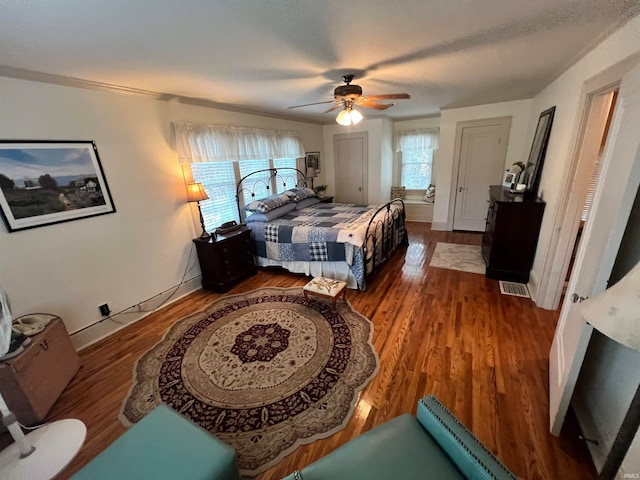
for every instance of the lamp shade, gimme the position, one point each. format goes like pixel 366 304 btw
pixel 616 311
pixel 356 116
pixel 344 117
pixel 311 173
pixel 196 193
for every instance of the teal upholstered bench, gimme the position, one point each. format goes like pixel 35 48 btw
pixel 435 445
pixel 163 445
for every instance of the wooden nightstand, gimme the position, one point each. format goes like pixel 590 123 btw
pixel 226 260
pixel 326 200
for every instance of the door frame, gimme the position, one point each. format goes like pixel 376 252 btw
pixel 612 203
pixel 365 160
pixel 460 126
pixel 547 290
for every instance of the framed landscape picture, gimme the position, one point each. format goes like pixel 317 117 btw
pixel 47 182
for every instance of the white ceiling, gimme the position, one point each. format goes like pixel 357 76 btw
pixel 266 55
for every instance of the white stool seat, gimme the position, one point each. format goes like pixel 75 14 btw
pixel 326 287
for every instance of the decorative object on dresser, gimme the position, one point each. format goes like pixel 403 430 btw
pixel 43 182
pixel 30 383
pixel 511 234
pixel 196 193
pixel 264 371
pixel 226 259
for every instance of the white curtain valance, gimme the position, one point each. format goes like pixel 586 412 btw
pixel 216 143
pixel 422 139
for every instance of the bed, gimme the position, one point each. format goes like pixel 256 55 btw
pixel 297 232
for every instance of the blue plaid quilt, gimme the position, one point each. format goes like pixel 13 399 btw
pixel 330 232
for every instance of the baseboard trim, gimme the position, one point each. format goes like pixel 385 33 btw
pixel 440 226
pixel 84 338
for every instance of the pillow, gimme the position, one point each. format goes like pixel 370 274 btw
pixel 300 193
pixel 272 214
pixel 267 204
pixel 306 203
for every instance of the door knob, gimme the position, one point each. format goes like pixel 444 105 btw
pixel 359 189
pixel 460 189
pixel 575 298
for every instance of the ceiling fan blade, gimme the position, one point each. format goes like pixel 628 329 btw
pixel 389 96
pixel 309 104
pixel 365 102
pixel 335 107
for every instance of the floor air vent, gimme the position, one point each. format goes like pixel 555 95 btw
pixel 513 288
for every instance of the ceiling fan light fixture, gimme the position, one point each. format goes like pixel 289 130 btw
pixel 356 116
pixel 344 117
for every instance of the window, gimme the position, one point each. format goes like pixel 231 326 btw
pixel 259 181
pixel 416 147
pixel 219 180
pixel 416 169
pixel 290 178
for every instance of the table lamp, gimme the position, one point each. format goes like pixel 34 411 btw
pixel 196 193
pixel 311 173
pixel 44 452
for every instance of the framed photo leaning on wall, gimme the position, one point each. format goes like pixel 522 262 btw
pixel 43 182
pixel 312 160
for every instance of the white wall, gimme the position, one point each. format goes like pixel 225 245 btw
pixel 566 94
pixel 142 249
pixel 518 148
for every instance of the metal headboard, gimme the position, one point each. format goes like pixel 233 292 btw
pixel 286 174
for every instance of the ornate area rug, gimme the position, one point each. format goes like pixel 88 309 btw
pixel 467 258
pixel 265 371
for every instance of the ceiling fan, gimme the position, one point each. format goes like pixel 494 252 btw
pixel 350 95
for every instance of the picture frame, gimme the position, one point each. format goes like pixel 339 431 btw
pixel 533 169
pixel 312 160
pixel 509 179
pixel 44 182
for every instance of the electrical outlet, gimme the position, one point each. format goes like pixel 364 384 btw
pixel 104 309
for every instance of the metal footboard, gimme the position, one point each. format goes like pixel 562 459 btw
pixel 385 233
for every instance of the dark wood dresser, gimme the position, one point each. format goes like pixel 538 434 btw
pixel 511 234
pixel 226 260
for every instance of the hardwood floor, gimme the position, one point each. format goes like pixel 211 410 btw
pixel 436 331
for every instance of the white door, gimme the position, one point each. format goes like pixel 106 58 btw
pixel 351 157
pixel 616 190
pixel 482 155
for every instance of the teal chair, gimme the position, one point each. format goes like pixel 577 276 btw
pixel 435 445
pixel 164 445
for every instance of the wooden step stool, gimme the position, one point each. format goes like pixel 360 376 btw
pixel 326 287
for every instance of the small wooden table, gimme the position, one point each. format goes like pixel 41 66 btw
pixel 326 287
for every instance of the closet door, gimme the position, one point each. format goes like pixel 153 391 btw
pixel 351 156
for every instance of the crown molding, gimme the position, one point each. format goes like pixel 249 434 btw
pixel 62 80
